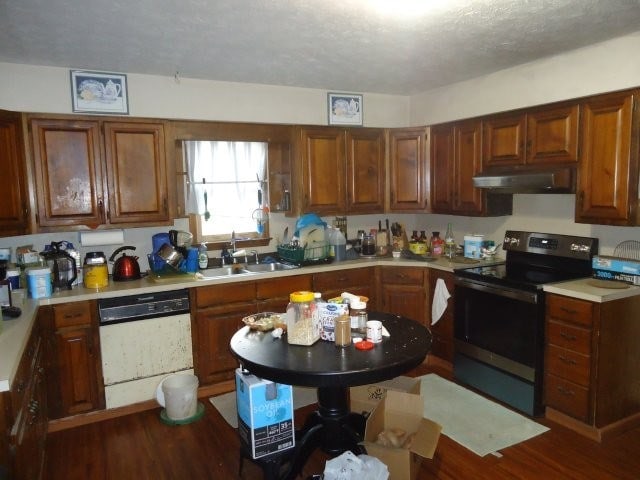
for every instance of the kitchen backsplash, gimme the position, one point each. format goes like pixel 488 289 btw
pixel 542 213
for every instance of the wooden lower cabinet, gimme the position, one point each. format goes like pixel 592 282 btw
pixel 591 363
pixel 358 281
pixel 75 368
pixel 442 331
pixel 403 291
pixel 23 414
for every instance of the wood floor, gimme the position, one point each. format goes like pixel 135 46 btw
pixel 140 447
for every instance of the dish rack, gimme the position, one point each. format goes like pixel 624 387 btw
pixel 303 256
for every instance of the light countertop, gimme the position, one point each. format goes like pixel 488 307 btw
pixel 15 332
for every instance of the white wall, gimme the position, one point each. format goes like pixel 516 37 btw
pixel 47 89
pixel 604 67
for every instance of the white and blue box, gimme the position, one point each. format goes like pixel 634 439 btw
pixel 614 268
pixel 265 414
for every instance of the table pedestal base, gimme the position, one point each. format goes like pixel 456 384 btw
pixel 333 428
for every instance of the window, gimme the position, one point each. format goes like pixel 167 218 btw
pixel 226 189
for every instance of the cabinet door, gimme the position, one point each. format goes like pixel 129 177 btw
pixel 358 281
pixel 442 345
pixel 503 140
pixel 408 169
pixel 136 172
pixel 365 170
pixel 442 168
pixel 323 170
pixel 552 136
pixel 402 291
pixel 13 183
pixel 214 327
pixel 608 171
pixel 68 172
pixel 76 374
pixel 467 163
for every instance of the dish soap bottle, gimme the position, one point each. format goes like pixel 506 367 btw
pixel 203 258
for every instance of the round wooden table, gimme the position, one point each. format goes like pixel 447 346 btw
pixel 332 370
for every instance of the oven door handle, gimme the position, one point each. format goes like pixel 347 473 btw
pixel 499 290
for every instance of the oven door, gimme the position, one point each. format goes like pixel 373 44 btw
pixel 500 326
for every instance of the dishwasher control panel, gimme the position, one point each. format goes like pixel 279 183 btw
pixel 139 307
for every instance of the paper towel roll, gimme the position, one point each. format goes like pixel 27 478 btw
pixel 103 237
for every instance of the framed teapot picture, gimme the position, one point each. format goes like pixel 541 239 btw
pixel 99 92
pixel 344 109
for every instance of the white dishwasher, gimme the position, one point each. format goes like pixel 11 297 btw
pixel 143 338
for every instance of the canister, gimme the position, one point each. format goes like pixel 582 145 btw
pixel 95 270
pixel 473 246
pixel 303 328
pixel 39 282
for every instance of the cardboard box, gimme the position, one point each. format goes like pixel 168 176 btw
pixel 265 415
pixel 613 268
pixel 404 411
pixel 365 398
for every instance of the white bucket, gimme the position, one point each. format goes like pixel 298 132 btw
pixel 180 396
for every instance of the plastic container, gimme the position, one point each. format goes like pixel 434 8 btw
pixel 303 328
pixel 13 276
pixel 39 282
pixel 180 396
pixel 473 246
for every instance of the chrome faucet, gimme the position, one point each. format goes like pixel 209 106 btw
pixel 255 255
pixel 233 242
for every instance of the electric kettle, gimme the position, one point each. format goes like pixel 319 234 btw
pixel 126 267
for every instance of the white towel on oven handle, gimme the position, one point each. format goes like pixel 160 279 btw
pixel 439 304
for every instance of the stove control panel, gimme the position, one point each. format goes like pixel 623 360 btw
pixel 550 244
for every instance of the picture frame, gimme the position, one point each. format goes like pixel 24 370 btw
pixel 99 92
pixel 344 109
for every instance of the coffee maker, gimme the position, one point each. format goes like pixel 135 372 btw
pixel 63 266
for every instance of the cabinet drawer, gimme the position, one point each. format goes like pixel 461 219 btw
pixel 569 365
pixel 569 337
pixel 347 278
pixel 223 294
pixel 566 397
pixel 570 310
pixel 402 275
pixel 72 314
pixel 282 287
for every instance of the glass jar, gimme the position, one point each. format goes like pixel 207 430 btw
pixel 355 310
pixel 303 327
pixel 437 244
pixel 343 331
pixel 368 245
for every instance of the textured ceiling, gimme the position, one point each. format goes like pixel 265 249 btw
pixel 344 45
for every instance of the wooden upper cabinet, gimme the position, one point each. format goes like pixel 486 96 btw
pixel 68 172
pixel 441 168
pixel 541 136
pixel 342 170
pixel 608 172
pixel 88 177
pixel 503 140
pixel 467 162
pixel 408 169
pixel 133 152
pixel 14 208
pixel 323 164
pixel 365 170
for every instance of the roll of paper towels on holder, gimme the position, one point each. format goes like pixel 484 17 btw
pixel 107 237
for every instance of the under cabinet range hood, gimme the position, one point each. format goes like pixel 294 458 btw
pixel 560 180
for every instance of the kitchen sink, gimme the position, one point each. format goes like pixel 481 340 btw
pixel 269 267
pixel 246 269
pixel 225 271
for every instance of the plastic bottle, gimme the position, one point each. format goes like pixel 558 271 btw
pixel 449 242
pixel 437 244
pixel 338 245
pixel 203 258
